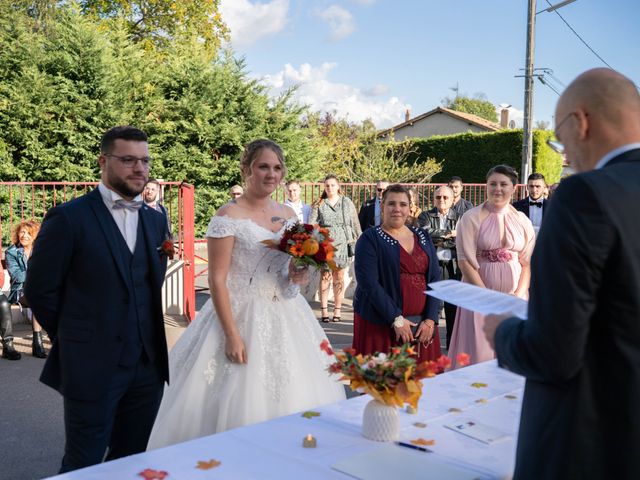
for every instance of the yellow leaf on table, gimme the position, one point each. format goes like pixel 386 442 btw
pixel 423 442
pixel 479 385
pixel 482 400
pixel 420 425
pixel 510 397
pixel 203 465
pixel 454 410
pixel 310 414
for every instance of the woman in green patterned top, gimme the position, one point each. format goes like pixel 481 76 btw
pixel 337 213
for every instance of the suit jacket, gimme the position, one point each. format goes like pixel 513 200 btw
pixel 78 288
pixel 523 206
pixel 367 214
pixel 580 348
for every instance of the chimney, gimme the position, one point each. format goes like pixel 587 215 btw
pixel 504 118
pixel 407 115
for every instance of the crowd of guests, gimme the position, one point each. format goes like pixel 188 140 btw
pixel 401 249
pixel 490 246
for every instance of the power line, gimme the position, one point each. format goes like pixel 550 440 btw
pixel 579 37
pixel 544 82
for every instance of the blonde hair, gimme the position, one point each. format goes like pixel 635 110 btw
pixel 252 151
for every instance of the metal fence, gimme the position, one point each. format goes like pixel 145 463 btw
pixel 360 192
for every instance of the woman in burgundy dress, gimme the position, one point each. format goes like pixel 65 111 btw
pixel 393 265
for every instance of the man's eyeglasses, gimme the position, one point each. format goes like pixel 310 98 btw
pixel 381 189
pixel 442 197
pixel 129 161
pixel 556 145
pixel 236 194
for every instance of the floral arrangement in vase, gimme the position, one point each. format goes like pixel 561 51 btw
pixel 309 245
pixel 393 379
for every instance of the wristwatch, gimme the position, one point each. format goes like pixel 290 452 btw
pixel 398 322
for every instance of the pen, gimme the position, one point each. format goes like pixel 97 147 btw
pixel 415 447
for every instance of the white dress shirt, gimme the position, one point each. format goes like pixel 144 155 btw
pixel 126 220
pixel 535 213
pixel 302 210
pixel 376 211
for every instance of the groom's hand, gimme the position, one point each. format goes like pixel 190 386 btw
pixel 235 350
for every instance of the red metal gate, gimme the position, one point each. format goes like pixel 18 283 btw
pixel 31 200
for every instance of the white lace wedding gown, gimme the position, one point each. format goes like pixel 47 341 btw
pixel 286 370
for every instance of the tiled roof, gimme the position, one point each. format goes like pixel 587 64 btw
pixel 467 117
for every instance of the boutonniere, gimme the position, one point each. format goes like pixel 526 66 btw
pixel 167 249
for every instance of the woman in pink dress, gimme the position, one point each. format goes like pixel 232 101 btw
pixel 494 245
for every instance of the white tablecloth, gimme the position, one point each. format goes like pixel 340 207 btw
pixel 274 449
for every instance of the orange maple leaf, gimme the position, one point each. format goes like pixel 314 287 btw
pixel 423 442
pixel 202 465
pixel 150 474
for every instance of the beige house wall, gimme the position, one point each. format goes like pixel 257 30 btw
pixel 437 124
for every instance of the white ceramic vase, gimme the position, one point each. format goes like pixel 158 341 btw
pixel 380 422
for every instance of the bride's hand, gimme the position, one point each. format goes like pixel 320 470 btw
pixel 298 275
pixel 235 350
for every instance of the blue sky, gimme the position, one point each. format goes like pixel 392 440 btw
pixel 377 58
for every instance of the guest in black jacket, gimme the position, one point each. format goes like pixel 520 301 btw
pixel 440 223
pixel 369 215
pixel 535 204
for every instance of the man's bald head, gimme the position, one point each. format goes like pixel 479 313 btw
pixel 598 112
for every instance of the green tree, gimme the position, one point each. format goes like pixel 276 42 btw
pixel 158 23
pixel 479 106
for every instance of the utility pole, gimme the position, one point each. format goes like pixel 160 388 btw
pixel 527 130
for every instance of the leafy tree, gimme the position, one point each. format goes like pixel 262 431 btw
pixel 158 23
pixel 479 106
pixel 354 153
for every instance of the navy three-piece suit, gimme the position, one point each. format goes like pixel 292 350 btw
pixel 101 306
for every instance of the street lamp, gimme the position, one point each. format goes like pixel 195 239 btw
pixel 527 140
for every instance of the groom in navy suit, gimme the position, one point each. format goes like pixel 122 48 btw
pixel 580 347
pixel 94 282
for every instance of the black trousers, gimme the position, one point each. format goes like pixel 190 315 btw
pixel 6 327
pixel 449 271
pixel 121 421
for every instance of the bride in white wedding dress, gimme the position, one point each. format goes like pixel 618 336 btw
pixel 253 352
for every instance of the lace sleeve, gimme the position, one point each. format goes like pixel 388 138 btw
pixel 220 227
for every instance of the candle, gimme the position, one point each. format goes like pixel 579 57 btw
pixel 309 442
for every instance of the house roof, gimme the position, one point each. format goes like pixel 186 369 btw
pixel 467 117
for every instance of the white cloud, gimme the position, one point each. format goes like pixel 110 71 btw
pixel 249 21
pixel 376 90
pixel 364 2
pixel 321 94
pixel 340 21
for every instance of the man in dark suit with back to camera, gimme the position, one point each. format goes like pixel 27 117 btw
pixel 94 282
pixel 580 347
pixel 534 206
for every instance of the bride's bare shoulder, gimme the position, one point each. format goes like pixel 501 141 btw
pixel 229 209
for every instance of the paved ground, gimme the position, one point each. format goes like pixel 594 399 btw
pixel 31 424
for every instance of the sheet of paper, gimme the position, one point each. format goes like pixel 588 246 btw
pixel 477 299
pixel 392 461
pixel 476 430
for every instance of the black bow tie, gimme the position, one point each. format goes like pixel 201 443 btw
pixel 535 204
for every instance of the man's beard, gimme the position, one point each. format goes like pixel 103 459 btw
pixel 120 186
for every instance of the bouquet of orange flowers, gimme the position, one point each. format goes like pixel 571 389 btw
pixel 307 244
pixel 392 379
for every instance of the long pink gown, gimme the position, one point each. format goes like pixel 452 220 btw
pixel 498 243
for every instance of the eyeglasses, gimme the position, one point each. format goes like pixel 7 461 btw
pixel 129 161
pixel 443 197
pixel 381 189
pixel 556 145
pixel 236 194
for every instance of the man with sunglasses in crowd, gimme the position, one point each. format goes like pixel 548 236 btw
pixel 369 214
